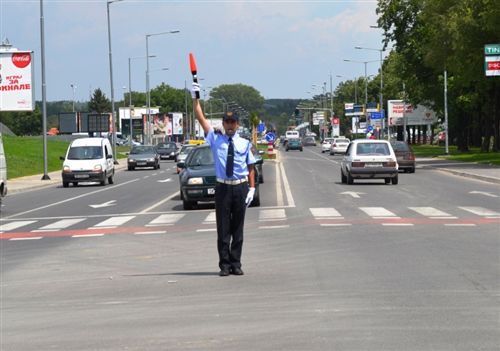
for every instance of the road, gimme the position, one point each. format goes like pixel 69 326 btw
pixel 328 266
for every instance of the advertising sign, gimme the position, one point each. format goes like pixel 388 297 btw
pixel 419 115
pixel 492 60
pixel 16 81
pixel 177 122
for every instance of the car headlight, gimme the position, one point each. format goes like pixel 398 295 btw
pixel 131 160
pixel 151 159
pixel 172 153
pixel 66 169
pixel 195 181
pixel 97 168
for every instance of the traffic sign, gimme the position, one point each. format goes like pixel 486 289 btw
pixel 369 128
pixel 270 137
pixel 261 127
pixel 492 49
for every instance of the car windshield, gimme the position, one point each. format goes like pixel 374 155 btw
pixel 166 146
pixel 400 146
pixel 341 141
pixel 294 141
pixel 201 157
pixel 185 149
pixel 142 150
pixel 85 153
pixel 372 149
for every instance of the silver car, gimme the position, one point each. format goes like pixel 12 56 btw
pixel 369 159
pixel 339 146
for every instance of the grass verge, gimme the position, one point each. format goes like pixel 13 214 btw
pixel 473 155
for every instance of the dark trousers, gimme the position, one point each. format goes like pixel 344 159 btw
pixel 230 214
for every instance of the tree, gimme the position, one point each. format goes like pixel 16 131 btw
pixel 99 102
pixel 246 96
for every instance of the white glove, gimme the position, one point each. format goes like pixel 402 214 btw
pixel 248 200
pixel 195 88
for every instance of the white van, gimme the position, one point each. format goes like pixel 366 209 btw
pixel 290 134
pixel 88 160
pixel 3 172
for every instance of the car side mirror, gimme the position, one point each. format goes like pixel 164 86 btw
pixel 259 161
pixel 261 152
pixel 180 164
pixel 109 156
pixel 62 158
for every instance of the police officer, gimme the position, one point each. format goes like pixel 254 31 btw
pixel 235 188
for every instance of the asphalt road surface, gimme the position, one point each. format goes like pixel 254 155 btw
pixel 328 266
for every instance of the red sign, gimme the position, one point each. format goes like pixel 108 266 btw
pixel 21 60
pixel 336 120
pixel 493 65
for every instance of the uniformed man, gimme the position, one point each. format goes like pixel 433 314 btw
pixel 235 188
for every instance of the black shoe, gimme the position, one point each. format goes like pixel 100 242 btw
pixel 224 272
pixel 236 271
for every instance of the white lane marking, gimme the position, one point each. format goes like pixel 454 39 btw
pixel 164 180
pixel 74 198
pixel 169 218
pixel 63 223
pixel 113 222
pixel 325 212
pixel 279 192
pixel 483 193
pixel 480 211
pixel 27 238
pixel 354 194
pixel 288 191
pixel 151 232
pixel 160 202
pixel 277 214
pixel 87 235
pixel 104 204
pixel 431 212
pixel 207 230
pixel 210 219
pixel 14 225
pixel 274 226
pixel 378 212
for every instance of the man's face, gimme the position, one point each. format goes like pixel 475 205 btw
pixel 230 126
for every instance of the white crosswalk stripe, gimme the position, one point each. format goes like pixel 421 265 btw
pixel 210 219
pixel 272 215
pixel 113 222
pixel 480 211
pixel 4 227
pixel 325 213
pixel 166 219
pixel 431 212
pixel 378 212
pixel 61 224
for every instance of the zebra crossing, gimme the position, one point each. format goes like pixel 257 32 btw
pixel 261 219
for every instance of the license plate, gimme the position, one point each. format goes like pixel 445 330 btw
pixel 373 165
pixel 81 176
pixel 141 163
pixel 211 191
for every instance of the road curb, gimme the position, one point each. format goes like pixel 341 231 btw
pixel 469 175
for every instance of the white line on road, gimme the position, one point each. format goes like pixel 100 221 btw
pixel 335 224
pixel 279 192
pixel 160 202
pixel 87 235
pixel 27 238
pixel 460 224
pixel 288 192
pixel 397 224
pixel 14 225
pixel 73 198
pixel 151 232
pixel 274 226
pixel 480 211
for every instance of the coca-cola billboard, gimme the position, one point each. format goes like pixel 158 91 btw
pixel 16 81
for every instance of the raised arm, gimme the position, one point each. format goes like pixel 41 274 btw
pixel 198 112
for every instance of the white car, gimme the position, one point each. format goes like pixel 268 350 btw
pixel 339 146
pixel 325 145
pixel 369 159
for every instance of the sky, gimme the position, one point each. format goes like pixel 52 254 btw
pixel 283 49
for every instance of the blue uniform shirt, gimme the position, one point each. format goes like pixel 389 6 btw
pixel 243 155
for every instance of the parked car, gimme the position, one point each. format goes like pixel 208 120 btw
pixel 404 155
pixel 309 141
pixel 198 180
pixel 325 145
pixel 257 154
pixel 369 159
pixel 167 151
pixel 339 146
pixel 181 156
pixel 294 144
pixel 88 160
pixel 143 156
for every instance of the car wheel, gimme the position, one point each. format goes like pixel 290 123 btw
pixel 182 196
pixel 286 150
pixel 65 184
pixel 387 180
pixel 301 149
pixel 103 182
pixel 158 166
pixel 332 153
pixel 350 180
pixel 395 180
pixel 110 179
pixel 412 170
pixel 343 178
pixel 188 205
pixel 75 183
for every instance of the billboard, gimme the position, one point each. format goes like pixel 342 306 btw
pixel 16 81
pixel 419 115
pixel 176 118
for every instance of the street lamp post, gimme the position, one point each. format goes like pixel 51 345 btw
pixel 113 123
pixel 130 94
pixel 147 79
pixel 381 83
pixel 73 87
